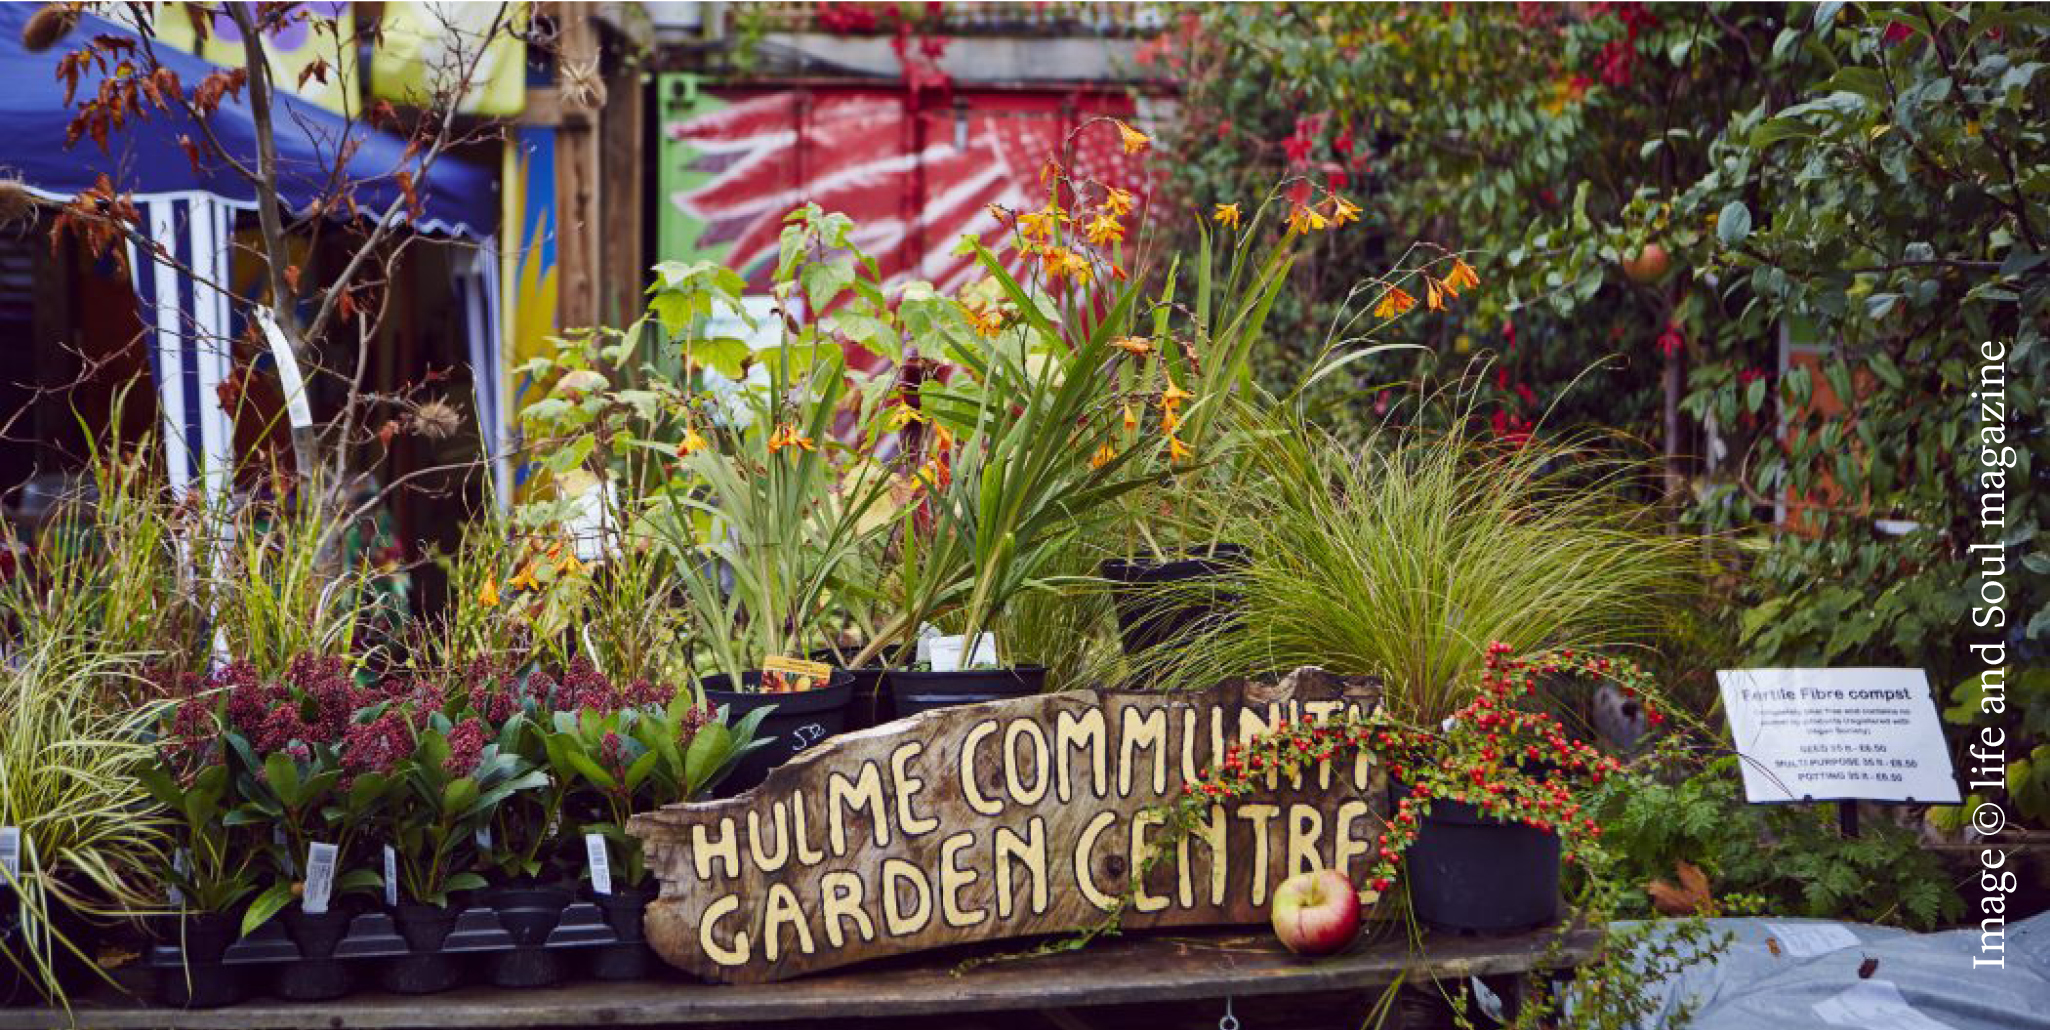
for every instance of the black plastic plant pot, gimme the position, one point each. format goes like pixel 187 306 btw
pixel 316 975
pixel 199 986
pixel 1148 615
pixel 870 705
pixel 631 958
pixel 200 981
pixel 799 722
pixel 528 915
pixel 1472 873
pixel 426 969
pixel 914 691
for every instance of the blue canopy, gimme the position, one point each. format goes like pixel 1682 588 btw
pixel 144 156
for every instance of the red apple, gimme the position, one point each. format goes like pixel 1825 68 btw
pixel 1316 913
pixel 1648 265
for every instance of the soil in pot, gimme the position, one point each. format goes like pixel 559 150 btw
pixel 631 958
pixel 1472 873
pixel 915 690
pixel 799 722
pixel 426 968
pixel 316 975
pixel 528 915
pixel 1150 617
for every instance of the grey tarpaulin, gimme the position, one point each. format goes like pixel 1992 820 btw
pixel 1919 981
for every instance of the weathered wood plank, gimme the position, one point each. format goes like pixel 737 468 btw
pixel 1146 969
pixel 1006 819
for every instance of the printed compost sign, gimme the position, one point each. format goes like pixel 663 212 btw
pixel 997 820
pixel 1837 734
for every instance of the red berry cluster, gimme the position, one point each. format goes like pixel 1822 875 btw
pixel 1512 763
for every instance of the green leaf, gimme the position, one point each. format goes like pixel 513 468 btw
pixel 266 905
pixel 1733 224
pixel 1777 129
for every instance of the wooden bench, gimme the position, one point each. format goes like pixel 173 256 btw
pixel 1151 969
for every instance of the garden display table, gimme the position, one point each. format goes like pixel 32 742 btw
pixel 1137 969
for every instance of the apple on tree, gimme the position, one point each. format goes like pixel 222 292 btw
pixel 1648 265
pixel 1316 913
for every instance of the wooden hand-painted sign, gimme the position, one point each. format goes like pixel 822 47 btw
pixel 1005 819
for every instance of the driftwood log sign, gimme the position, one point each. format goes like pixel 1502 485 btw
pixel 1005 819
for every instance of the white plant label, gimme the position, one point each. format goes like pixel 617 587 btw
pixel 952 654
pixel 10 852
pixel 180 864
pixel 289 378
pixel 601 862
pixel 1807 940
pixel 1837 734
pixel 926 635
pixel 320 877
pixel 391 877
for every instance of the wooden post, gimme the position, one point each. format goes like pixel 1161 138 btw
pixel 577 177
pixel 623 261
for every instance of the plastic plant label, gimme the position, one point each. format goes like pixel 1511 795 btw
pixel 792 675
pixel 10 852
pixel 289 378
pixel 948 653
pixel 320 877
pixel 180 864
pixel 1807 940
pixel 391 877
pixel 926 635
pixel 601 862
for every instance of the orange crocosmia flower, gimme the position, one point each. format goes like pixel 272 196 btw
pixel 1302 218
pixel 1177 450
pixel 1394 303
pixel 570 566
pixel 692 442
pixel 1118 273
pixel 1104 455
pixel 1169 420
pixel 1136 346
pixel 1061 262
pixel 1134 140
pixel 1461 277
pixel 1173 397
pixel 1434 298
pixel 1117 201
pixel 1343 211
pixel 1131 420
pixel 1039 225
pixel 997 212
pixel 1227 215
pixel 525 580
pixel 1105 228
pixel 903 415
pixel 488 594
pixel 985 323
pixel 786 435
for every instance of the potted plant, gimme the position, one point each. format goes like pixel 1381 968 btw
pixel 209 873
pixel 1009 468
pixel 1401 555
pixel 285 738
pixel 631 759
pixel 449 783
pixel 1485 807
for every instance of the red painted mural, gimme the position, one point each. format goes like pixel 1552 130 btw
pixel 914 170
